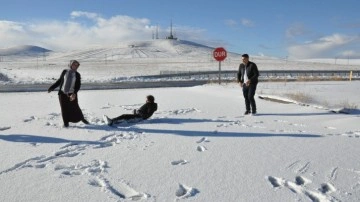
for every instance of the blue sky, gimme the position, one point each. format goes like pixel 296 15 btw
pixel 284 28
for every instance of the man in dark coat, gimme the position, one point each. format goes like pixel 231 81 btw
pixel 247 76
pixel 144 112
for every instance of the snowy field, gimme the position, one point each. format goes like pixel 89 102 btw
pixel 303 145
pixel 197 147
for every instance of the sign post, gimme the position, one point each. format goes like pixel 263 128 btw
pixel 219 55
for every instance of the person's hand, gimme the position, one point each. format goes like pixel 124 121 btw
pixel 72 97
pixel 248 83
pixel 241 84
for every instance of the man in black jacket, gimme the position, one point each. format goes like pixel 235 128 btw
pixel 144 112
pixel 248 78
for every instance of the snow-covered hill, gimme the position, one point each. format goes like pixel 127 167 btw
pixel 120 51
pixel 139 58
pixel 134 58
pixel 23 51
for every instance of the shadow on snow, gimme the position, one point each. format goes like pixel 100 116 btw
pixel 41 139
pixel 129 127
pixel 193 133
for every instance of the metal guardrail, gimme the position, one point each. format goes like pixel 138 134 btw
pixel 191 78
pixel 102 86
pixel 266 74
pixel 312 73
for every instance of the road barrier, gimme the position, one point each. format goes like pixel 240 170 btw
pixel 264 75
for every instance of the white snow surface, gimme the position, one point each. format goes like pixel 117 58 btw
pixel 198 146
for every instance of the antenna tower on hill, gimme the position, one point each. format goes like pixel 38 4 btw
pixel 156 34
pixel 171 36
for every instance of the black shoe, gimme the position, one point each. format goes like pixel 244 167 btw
pixel 253 113
pixel 247 112
pixel 66 125
pixel 85 121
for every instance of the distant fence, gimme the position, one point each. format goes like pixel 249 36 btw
pixel 264 75
pixel 311 73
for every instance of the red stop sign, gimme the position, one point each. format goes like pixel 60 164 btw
pixel 219 54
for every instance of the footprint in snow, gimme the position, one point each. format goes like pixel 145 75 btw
pixel 184 111
pixel 119 189
pixel 355 134
pixel 275 182
pixel 298 187
pixel 35 144
pixel 327 188
pixel 186 191
pixel 53 116
pixel 201 148
pixel 50 124
pixel 179 162
pixel 4 128
pixel 31 118
pixel 299 180
pixel 204 139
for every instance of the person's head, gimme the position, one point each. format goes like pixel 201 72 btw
pixel 245 58
pixel 74 65
pixel 150 99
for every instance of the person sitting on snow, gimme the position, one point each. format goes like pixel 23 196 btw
pixel 144 112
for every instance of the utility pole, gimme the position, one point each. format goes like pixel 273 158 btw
pixel 157 32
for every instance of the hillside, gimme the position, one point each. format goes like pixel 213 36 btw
pixel 138 58
pixel 123 50
pixel 23 51
pixel 110 63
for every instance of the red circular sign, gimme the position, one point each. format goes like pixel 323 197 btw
pixel 219 54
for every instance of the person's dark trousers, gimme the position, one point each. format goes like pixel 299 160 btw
pixel 249 93
pixel 126 117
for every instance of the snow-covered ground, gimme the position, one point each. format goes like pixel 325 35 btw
pixel 197 147
pixel 303 145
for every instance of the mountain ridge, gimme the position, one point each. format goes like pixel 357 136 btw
pixel 158 51
pixel 146 49
pixel 24 50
